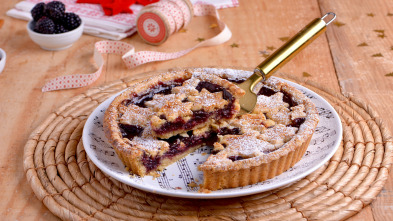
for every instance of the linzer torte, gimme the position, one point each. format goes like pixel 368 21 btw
pixel 156 122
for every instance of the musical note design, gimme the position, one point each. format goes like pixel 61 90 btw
pixel 186 174
pixel 321 139
pixel 321 129
pixel 326 113
pixel 98 122
pixel 309 95
pixel 163 181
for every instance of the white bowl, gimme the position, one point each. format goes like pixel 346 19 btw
pixel 3 58
pixel 54 42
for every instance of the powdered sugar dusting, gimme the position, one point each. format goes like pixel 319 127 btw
pixel 153 146
pixel 173 108
pixel 207 101
pixel 159 100
pixel 265 104
pixel 135 115
pixel 230 74
pixel 188 87
pixel 246 146
pixel 279 134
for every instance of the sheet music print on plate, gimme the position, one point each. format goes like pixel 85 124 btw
pixel 182 178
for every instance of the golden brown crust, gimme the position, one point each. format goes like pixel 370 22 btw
pixel 242 176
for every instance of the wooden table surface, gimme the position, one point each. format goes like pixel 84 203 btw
pixel 354 56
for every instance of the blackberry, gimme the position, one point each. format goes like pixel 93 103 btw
pixel 55 10
pixel 56 5
pixel 60 29
pixel 38 11
pixel 71 20
pixel 45 25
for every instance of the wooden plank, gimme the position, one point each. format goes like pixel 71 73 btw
pixel 366 214
pixel 257 26
pixel 361 43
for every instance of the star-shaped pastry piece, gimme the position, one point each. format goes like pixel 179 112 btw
pixel 154 147
pixel 207 101
pixel 280 116
pixel 246 146
pixel 159 100
pixel 273 103
pixel 250 122
pixel 188 87
pixel 297 112
pixel 278 134
pixel 174 108
pixel 135 115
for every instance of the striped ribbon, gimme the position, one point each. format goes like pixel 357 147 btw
pixel 132 58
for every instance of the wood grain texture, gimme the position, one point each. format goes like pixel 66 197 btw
pixel 362 73
pixel 258 26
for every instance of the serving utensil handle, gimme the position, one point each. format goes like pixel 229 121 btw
pixel 293 46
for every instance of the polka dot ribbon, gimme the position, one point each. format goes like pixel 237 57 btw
pixel 132 58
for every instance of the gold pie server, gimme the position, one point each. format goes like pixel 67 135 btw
pixel 280 57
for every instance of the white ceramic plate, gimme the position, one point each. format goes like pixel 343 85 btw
pixel 174 179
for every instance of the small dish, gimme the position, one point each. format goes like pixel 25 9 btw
pixel 55 42
pixel 3 58
pixel 175 180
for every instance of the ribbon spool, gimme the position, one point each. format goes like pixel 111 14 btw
pixel 157 21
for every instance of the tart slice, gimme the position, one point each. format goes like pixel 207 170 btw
pixel 161 120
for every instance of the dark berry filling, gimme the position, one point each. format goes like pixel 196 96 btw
pixel 151 163
pixel 227 131
pixel 287 98
pixel 130 131
pixel 237 81
pixel 236 158
pixel 213 88
pixel 266 91
pixel 178 145
pixel 160 88
pixel 171 126
pixel 267 151
pixel 226 95
pixel 198 117
pixel 297 122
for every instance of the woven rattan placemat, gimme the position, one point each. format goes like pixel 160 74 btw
pixel 73 188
